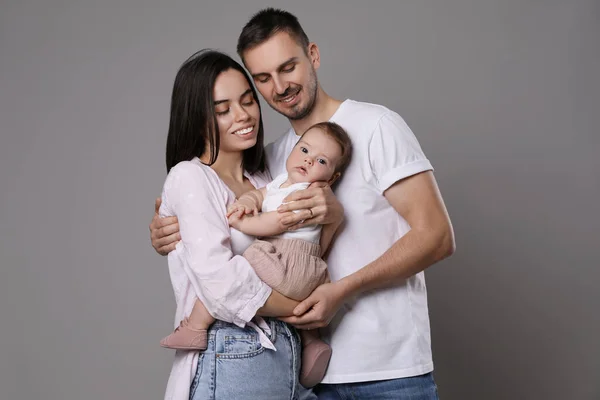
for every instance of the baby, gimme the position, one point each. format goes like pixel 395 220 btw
pixel 288 261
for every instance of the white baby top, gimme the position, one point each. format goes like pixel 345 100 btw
pixel 274 198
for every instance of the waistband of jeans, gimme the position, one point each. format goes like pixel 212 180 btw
pixel 275 324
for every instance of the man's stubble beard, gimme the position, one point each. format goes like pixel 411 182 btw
pixel 305 111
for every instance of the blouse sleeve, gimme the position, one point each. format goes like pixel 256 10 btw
pixel 225 283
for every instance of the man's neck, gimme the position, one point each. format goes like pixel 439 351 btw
pixel 324 108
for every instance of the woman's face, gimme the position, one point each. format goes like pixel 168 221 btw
pixel 237 112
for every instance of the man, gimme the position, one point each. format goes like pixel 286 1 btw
pixel 374 311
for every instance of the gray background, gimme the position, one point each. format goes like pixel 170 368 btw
pixel 502 94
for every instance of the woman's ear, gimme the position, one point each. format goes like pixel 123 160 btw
pixel 334 178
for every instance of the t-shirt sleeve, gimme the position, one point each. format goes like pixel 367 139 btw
pixel 224 282
pixel 394 152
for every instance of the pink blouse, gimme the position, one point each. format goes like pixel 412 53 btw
pixel 207 262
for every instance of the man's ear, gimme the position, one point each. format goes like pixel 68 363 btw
pixel 334 178
pixel 314 55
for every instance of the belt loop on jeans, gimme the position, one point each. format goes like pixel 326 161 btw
pixel 273 324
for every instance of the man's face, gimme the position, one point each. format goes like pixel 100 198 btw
pixel 285 75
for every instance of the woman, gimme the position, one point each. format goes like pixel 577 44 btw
pixel 215 154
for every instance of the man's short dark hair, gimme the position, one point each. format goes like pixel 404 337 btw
pixel 265 24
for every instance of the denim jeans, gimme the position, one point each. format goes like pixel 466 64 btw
pixel 236 366
pixel 414 388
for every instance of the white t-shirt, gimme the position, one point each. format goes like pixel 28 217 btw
pixel 381 334
pixel 274 198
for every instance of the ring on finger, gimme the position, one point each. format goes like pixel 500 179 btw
pixel 311 212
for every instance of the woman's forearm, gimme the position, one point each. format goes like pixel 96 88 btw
pixel 277 305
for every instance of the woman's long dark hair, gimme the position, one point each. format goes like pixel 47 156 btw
pixel 193 122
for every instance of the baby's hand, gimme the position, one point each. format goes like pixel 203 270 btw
pixel 242 207
pixel 235 220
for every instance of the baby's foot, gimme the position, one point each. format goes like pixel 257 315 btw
pixel 315 359
pixel 185 337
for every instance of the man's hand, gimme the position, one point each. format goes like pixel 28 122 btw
pixel 164 232
pixel 319 308
pixel 317 205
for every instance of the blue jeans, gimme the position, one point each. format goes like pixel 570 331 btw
pixel 236 366
pixel 414 388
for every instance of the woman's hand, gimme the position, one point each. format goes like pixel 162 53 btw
pixel 164 232
pixel 316 204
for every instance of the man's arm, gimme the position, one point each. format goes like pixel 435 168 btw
pixel 431 239
pixel 324 209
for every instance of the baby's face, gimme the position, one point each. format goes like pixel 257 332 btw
pixel 314 158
